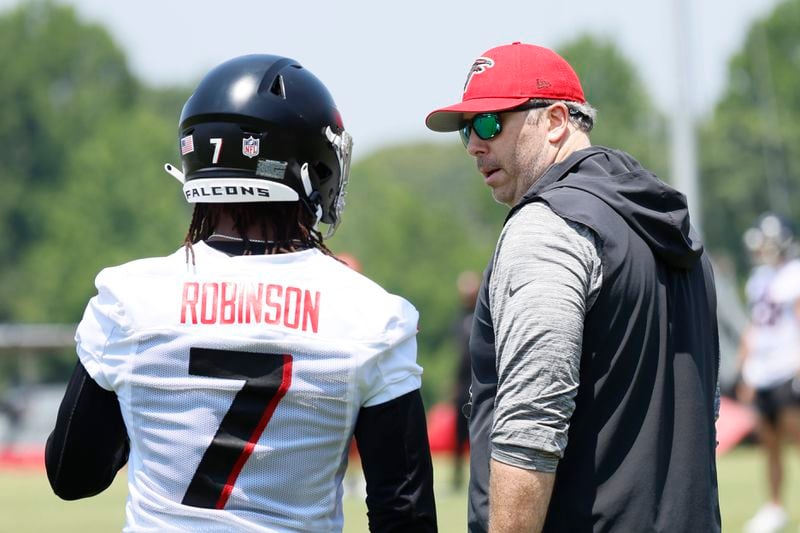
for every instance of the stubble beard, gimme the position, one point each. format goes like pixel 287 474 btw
pixel 530 171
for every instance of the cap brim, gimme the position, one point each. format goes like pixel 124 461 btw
pixel 450 118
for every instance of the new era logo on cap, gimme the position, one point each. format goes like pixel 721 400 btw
pixel 508 76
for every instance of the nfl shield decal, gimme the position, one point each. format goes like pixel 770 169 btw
pixel 250 146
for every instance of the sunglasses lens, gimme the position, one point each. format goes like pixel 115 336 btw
pixel 486 125
pixel 464 133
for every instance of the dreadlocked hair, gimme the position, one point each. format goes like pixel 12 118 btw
pixel 289 225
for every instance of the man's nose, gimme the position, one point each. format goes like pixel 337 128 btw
pixel 476 146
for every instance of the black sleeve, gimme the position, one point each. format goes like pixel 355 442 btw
pixel 395 454
pixel 89 443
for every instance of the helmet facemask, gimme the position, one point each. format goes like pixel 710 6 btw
pixel 342 145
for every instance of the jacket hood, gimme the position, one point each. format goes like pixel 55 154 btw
pixel 658 213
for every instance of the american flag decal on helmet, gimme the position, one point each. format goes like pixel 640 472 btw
pixel 187 145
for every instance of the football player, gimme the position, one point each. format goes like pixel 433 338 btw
pixel 232 375
pixel 769 354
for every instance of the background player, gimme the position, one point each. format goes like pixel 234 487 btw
pixel 232 374
pixel 769 355
pixel 468 284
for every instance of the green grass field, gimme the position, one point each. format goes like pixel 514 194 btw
pixel 27 505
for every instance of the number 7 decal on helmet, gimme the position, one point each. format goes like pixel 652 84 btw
pixel 267 378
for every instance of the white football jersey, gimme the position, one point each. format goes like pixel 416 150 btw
pixel 774 338
pixel 240 380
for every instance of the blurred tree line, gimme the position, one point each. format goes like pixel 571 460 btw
pixel 749 146
pixel 84 142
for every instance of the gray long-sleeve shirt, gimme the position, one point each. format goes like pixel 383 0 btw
pixel 547 273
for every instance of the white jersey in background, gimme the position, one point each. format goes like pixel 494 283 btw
pixel 774 335
pixel 251 369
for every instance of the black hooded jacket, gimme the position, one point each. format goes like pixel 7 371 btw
pixel 641 449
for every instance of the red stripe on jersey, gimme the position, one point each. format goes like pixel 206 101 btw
pixel 286 382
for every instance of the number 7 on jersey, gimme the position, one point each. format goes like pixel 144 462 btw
pixel 267 378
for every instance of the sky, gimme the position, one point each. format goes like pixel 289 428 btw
pixel 388 65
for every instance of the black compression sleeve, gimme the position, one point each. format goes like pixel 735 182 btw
pixel 89 443
pixel 393 444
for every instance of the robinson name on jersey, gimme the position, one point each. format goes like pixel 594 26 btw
pixel 255 303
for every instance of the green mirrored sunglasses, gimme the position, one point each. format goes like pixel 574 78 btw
pixel 488 125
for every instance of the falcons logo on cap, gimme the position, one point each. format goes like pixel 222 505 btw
pixel 480 65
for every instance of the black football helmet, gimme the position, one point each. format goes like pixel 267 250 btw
pixel 261 128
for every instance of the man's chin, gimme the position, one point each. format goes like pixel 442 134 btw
pixel 502 198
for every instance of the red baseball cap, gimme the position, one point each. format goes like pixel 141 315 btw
pixel 508 76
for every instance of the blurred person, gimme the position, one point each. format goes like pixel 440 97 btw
pixel 594 347
pixel 350 260
pixel 769 354
pixel 13 406
pixel 467 284
pixel 232 375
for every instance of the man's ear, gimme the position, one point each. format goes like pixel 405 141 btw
pixel 557 122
